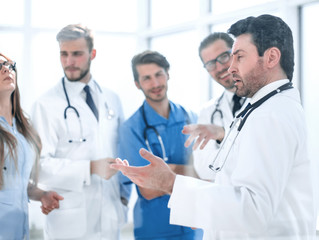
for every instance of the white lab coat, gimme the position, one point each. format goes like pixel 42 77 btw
pixel 265 190
pixel 204 157
pixel 91 208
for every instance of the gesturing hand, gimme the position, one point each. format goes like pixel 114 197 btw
pixel 156 175
pixel 203 133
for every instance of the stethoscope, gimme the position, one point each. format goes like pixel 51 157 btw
pixel 160 140
pixel 238 124
pixel 218 111
pixel 110 114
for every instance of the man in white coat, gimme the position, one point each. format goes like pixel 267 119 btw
pixel 78 123
pixel 218 113
pixel 264 187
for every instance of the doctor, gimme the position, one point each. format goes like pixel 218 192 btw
pixel 264 187
pixel 156 125
pixel 217 114
pixel 78 121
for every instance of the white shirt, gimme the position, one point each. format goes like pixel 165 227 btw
pixel 265 190
pixel 91 208
pixel 204 157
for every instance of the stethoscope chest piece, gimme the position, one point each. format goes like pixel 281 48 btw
pixel 110 114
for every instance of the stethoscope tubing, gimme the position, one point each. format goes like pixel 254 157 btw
pixel 160 140
pixel 240 120
pixel 110 112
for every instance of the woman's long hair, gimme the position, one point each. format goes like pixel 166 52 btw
pixel 24 127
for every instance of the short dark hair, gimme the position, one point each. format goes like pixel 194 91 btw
pixel 213 37
pixel 76 31
pixel 269 31
pixel 148 57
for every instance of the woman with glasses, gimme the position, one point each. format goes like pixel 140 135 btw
pixel 19 148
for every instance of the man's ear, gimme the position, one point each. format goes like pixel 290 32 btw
pixel 93 54
pixel 137 84
pixel 167 76
pixel 273 56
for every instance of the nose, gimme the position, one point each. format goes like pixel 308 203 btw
pixel 69 60
pixel 155 82
pixel 232 68
pixel 220 66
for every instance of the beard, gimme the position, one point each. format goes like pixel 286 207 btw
pixel 252 81
pixel 155 98
pixel 83 73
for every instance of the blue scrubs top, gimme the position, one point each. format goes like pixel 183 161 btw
pixel 14 223
pixel 151 217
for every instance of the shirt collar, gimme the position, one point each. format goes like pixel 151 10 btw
pixel 153 118
pixel 6 124
pixel 93 86
pixel 267 89
pixel 229 96
pixel 76 87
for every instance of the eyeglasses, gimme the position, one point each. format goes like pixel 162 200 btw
pixel 221 58
pixel 11 65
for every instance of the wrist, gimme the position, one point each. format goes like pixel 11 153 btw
pixel 221 135
pixel 91 167
pixel 42 195
pixel 168 187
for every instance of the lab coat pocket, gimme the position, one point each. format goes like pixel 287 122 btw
pixel 66 223
pixel 72 200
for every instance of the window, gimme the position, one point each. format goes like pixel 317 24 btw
pixel 105 15
pixel 165 13
pixel 310 83
pixel 225 6
pixel 180 49
pixel 15 18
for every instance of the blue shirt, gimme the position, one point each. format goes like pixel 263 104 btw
pixel 14 222
pixel 151 217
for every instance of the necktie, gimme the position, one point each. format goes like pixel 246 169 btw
pixel 90 102
pixel 237 104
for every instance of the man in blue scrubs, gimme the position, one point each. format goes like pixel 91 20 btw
pixel 156 126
